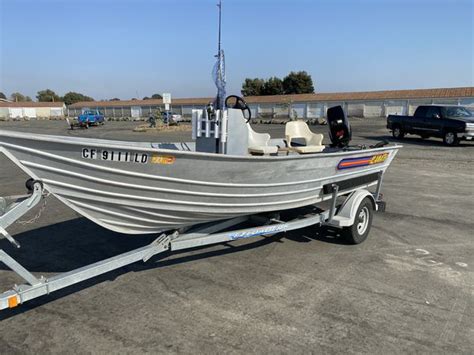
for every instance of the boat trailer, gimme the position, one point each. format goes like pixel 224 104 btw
pixel 346 215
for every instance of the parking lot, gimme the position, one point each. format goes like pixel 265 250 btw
pixel 408 288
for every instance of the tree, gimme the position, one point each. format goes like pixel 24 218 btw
pixel 17 97
pixel 47 96
pixel 73 97
pixel 2 96
pixel 298 83
pixel 156 96
pixel 146 98
pixel 273 86
pixel 27 98
pixel 115 99
pixel 252 87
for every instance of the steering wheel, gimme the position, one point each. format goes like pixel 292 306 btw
pixel 234 101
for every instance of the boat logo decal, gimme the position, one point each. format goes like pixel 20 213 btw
pixel 162 159
pixel 362 161
pixel 258 231
pixel 115 155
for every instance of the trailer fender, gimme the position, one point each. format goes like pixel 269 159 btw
pixel 346 214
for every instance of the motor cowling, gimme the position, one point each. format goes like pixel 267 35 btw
pixel 339 127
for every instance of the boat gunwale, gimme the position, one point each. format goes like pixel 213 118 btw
pixel 127 145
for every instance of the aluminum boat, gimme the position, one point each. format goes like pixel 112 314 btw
pixel 138 188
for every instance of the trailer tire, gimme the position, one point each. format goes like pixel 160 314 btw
pixel 359 231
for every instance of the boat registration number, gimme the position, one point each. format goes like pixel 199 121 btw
pixel 115 155
pixel 126 157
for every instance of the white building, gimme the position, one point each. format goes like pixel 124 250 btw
pixel 47 110
pixel 355 104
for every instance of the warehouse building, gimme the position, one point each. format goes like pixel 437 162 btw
pixel 356 104
pixel 29 110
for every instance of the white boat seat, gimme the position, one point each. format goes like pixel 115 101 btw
pixel 258 143
pixel 300 130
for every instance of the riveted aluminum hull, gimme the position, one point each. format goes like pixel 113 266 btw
pixel 135 198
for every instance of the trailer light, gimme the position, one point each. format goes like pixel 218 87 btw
pixel 13 302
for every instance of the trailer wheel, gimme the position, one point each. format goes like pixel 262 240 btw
pixel 398 133
pixel 359 231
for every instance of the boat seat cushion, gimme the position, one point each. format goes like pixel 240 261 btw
pixel 263 149
pixel 258 143
pixel 300 130
pixel 305 149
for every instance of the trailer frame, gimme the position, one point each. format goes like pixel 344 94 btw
pixel 336 216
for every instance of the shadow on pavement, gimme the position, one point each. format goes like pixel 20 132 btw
pixel 76 243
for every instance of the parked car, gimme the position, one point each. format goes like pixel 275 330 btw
pixel 91 118
pixel 451 123
pixel 171 117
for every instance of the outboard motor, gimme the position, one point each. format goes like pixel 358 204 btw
pixel 339 127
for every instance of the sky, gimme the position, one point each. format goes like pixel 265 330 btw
pixel 135 48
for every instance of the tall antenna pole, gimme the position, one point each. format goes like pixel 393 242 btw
pixel 219 5
pixel 219 68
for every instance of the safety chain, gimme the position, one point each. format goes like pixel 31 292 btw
pixel 38 215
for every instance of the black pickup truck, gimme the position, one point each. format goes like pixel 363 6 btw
pixel 452 123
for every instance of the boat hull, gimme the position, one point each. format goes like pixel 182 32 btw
pixel 137 189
